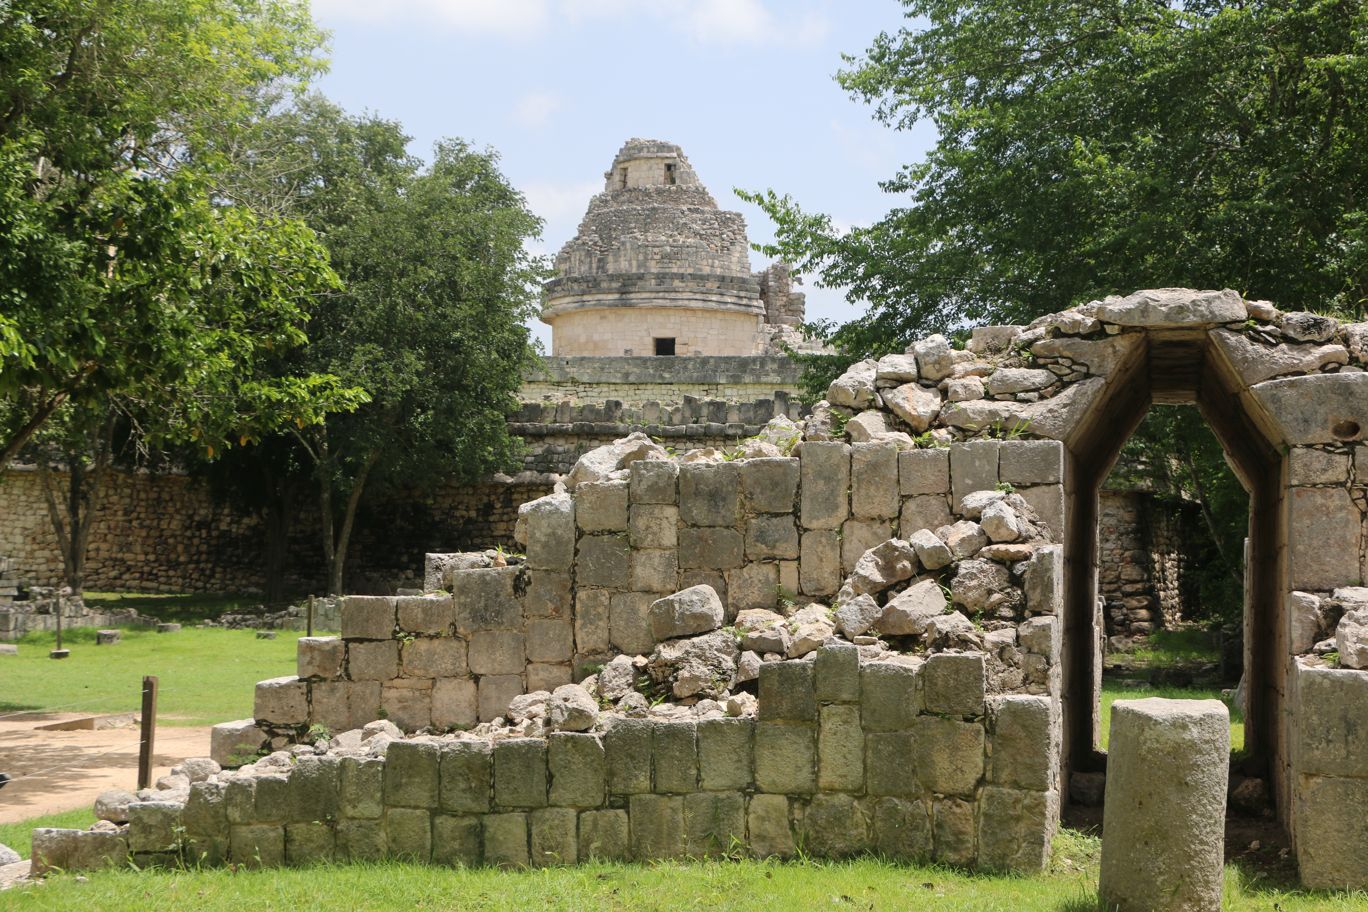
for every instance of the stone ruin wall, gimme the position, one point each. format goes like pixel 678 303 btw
pixel 936 763
pixel 1144 543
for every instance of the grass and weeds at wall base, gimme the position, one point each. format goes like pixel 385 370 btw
pixel 206 675
pixel 753 886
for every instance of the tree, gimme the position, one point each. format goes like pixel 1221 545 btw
pixel 1090 148
pixel 437 282
pixel 119 276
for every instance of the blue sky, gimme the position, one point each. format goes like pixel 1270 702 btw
pixel 556 86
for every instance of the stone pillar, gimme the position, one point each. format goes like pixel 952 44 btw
pixel 1163 834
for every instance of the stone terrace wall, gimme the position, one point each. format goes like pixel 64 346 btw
pixel 636 381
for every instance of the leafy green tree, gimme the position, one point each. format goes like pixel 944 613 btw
pixel 119 275
pixel 437 283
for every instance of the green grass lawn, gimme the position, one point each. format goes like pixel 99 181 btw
pixel 206 675
pixel 1112 691
pixel 864 884
pixel 187 609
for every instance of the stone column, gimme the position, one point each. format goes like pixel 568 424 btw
pixel 1163 834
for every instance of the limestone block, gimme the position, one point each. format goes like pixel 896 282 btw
pixel 726 754
pixel 709 494
pixel 1325 528
pixel 505 840
pixel 630 622
pixel 1025 743
pixel 923 512
pixel 153 826
pixel 908 612
pixel 497 652
pixel 819 567
pixel 890 764
pixel 1316 408
pixel 657 826
pixel 771 537
pixel 1163 845
pixel 770 484
pixel 835 827
pixel 1048 503
pixel 674 749
pixel 836 674
pixel 954 684
pixel 949 755
pixel 486 599
pixel 361 787
pixel 604 835
pixel 76 850
pixel 314 789
pixel 578 769
pixel 233 744
pixel 239 800
pixel 924 472
pixel 308 843
pixel 270 799
pixel 627 751
pixel 548 594
pixel 825 473
pixel 411 774
pixel 554 836
pixel 1015 829
pixel 407 703
pixel 604 561
pixel 874 480
pixel 786 757
pixel 1031 462
pixel 434 657
pixel 520 773
pixel 935 357
pixel 361 840
pixel 1332 722
pixel 1332 842
pixel 601 506
pixel 653 526
pixel 206 810
pixel 495 692
pixel 916 405
pixel 592 621
pixel 457 840
pixel 786 692
pixel 1303 613
pixel 282 701
pixel 767 822
pixel 550 532
pixel 685 613
pixel 1310 466
pixel 890 696
pixel 550 641
pixel 902 829
pixel 466 775
pixel 1164 308
pixel 752 586
pixel 932 553
pixel 973 467
pixel 455 703
pixel 1044 581
pixel 953 830
pixel 367 617
pixel 257 845
pixel 373 661
pixel 711 548
pixel 858 536
pixel 320 657
pixel 714 823
pixel 654 481
pixel 426 615
pixel 840 749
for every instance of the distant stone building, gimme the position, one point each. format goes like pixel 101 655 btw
pixel 658 269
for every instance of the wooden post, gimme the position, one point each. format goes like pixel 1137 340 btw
pixel 61 605
pixel 148 731
pixel 309 631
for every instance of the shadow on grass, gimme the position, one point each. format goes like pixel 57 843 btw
pixel 183 609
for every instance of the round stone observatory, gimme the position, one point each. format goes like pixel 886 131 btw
pixel 658 269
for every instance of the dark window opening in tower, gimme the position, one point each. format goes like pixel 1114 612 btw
pixel 669 172
pixel 622 178
pixel 665 346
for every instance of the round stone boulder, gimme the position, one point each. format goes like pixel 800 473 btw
pixel 1163 829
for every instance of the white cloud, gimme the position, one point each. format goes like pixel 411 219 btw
pixel 508 17
pixel 721 22
pixel 534 109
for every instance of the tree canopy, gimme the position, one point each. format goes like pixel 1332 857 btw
pixel 1092 148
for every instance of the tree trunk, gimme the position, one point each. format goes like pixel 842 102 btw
pixel 339 556
pixel 277 543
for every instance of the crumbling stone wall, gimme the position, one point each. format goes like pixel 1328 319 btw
pixel 1144 545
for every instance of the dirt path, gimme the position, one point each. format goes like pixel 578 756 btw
pixel 63 770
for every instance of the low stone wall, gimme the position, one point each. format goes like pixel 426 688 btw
pixel 635 381
pixel 1144 546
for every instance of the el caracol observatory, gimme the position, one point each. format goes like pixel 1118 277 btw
pixel 658 269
